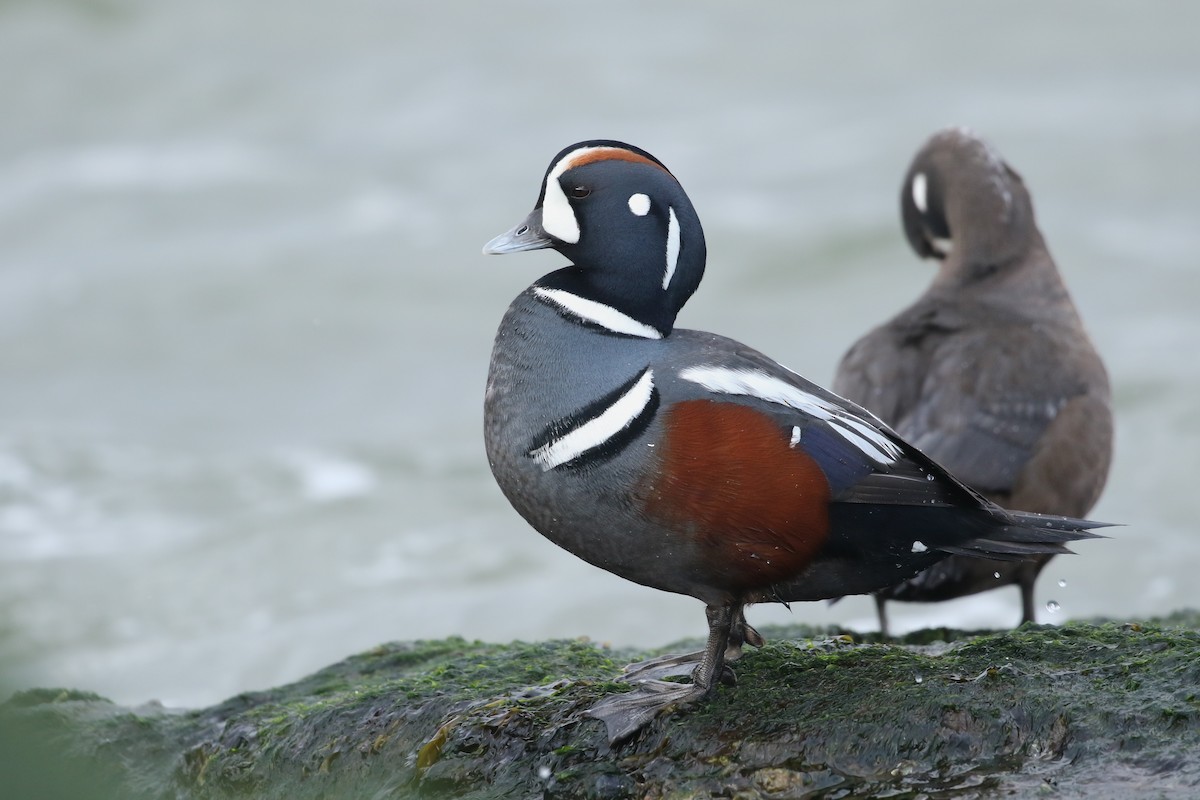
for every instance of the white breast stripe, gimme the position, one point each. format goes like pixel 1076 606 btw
pixel 752 383
pixel 598 430
pixel 919 189
pixel 672 246
pixel 606 317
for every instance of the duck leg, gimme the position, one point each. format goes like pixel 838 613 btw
pixel 681 664
pixel 881 610
pixel 626 714
pixel 741 633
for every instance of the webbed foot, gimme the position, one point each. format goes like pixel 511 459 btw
pixel 626 714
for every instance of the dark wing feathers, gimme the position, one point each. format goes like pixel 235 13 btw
pixel 958 391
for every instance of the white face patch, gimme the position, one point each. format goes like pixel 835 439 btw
pixel 672 247
pixel 558 218
pixel 941 246
pixel 639 204
pixel 599 429
pixel 859 432
pixel 606 317
pixel 919 192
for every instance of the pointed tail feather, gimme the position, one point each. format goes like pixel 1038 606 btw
pixel 1050 522
pixel 1028 535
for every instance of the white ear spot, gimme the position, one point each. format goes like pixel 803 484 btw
pixel 639 204
pixel 920 189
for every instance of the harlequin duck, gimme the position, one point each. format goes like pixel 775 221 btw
pixel 687 461
pixel 990 372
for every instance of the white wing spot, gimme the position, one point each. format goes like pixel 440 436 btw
pixel 919 192
pixel 639 204
pixel 598 430
pixel 672 246
pixel 795 436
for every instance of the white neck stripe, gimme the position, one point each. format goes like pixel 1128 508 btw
pixel 606 317
pixel 672 246
pixel 752 383
pixel 600 429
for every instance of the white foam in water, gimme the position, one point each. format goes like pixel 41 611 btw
pixel 171 166
pixel 326 477
pixel 133 166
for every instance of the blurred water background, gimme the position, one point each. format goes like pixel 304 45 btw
pixel 245 322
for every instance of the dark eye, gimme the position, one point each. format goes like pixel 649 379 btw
pixel 580 192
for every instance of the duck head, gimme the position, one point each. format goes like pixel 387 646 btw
pixel 624 221
pixel 962 204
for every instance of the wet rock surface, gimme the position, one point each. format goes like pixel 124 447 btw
pixel 1102 709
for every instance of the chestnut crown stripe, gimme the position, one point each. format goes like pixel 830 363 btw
pixel 558 218
pixel 599 425
pixel 860 433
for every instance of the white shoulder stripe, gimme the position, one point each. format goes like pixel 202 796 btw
pixel 598 430
pixel 606 317
pixel 757 384
pixel 752 383
pixel 672 246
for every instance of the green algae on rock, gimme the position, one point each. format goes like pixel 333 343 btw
pixel 1107 708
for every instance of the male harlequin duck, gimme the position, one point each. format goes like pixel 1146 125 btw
pixel 687 461
pixel 990 372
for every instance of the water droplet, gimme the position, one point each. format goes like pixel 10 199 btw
pixel 920 679
pixel 1053 607
pixel 1062 584
pixel 995 574
pixel 929 477
pixel 544 772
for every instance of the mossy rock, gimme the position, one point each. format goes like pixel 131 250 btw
pixel 1102 709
